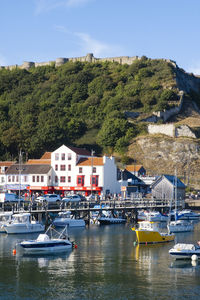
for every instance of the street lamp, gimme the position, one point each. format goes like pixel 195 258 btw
pixel 20 169
pixel 92 153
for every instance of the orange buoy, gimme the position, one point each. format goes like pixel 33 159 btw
pixel 14 251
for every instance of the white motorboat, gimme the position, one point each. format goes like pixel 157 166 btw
pixel 66 218
pixel 188 214
pixel 5 217
pixel 46 243
pixel 22 223
pixel 180 226
pixel 152 216
pixel 185 251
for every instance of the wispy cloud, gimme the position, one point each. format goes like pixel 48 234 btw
pixel 47 5
pixel 87 44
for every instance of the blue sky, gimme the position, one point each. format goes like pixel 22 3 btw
pixel 42 30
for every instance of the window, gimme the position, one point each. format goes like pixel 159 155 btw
pixel 69 167
pixel 33 178
pixel 80 180
pixel 56 156
pixel 49 178
pixel 69 178
pixel 56 167
pixel 9 178
pixel 80 170
pixel 13 178
pixel 17 178
pixel 62 168
pixel 62 178
pixel 94 170
pixel 42 178
pixel 38 178
pixel 25 178
pixel 95 180
pixel 63 156
pixel 69 156
pixel 56 179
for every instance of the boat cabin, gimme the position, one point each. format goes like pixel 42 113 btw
pixel 5 217
pixel 149 226
pixel 21 218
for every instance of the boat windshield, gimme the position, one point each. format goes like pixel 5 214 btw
pixel 20 219
pixel 4 218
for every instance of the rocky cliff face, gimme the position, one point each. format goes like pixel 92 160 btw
pixel 187 82
pixel 161 155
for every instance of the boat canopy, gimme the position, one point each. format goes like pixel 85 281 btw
pixel 184 246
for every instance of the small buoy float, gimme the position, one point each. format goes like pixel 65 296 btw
pixel 194 257
pixel 14 252
pixel 75 246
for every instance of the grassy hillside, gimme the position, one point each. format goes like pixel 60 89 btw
pixel 80 104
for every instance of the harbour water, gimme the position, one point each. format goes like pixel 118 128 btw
pixel 106 265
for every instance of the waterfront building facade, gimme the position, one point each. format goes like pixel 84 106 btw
pixel 65 170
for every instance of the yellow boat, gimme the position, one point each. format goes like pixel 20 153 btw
pixel 149 233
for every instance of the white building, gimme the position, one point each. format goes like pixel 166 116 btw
pixel 74 169
pixel 67 169
pixel 37 177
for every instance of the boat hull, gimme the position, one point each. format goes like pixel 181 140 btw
pixel 184 255
pixel 152 237
pixel 69 222
pixel 23 228
pixel 108 221
pixel 180 228
pixel 32 247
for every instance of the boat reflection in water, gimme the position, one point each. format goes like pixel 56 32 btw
pixel 55 261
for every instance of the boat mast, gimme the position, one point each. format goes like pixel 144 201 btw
pixel 175 194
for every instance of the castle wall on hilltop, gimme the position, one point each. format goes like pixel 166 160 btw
pixel 88 58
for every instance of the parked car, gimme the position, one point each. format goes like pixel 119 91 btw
pixel 92 197
pixel 50 198
pixel 9 197
pixel 72 198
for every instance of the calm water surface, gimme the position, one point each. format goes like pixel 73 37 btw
pixel 106 265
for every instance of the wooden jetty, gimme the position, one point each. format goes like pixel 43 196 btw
pixel 127 207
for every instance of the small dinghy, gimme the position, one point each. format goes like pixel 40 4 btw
pixel 47 243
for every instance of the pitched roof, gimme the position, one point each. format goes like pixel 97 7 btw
pixel 80 151
pixel 89 161
pixel 38 162
pixel 29 169
pixel 46 155
pixel 172 179
pixel 7 163
pixel 133 168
